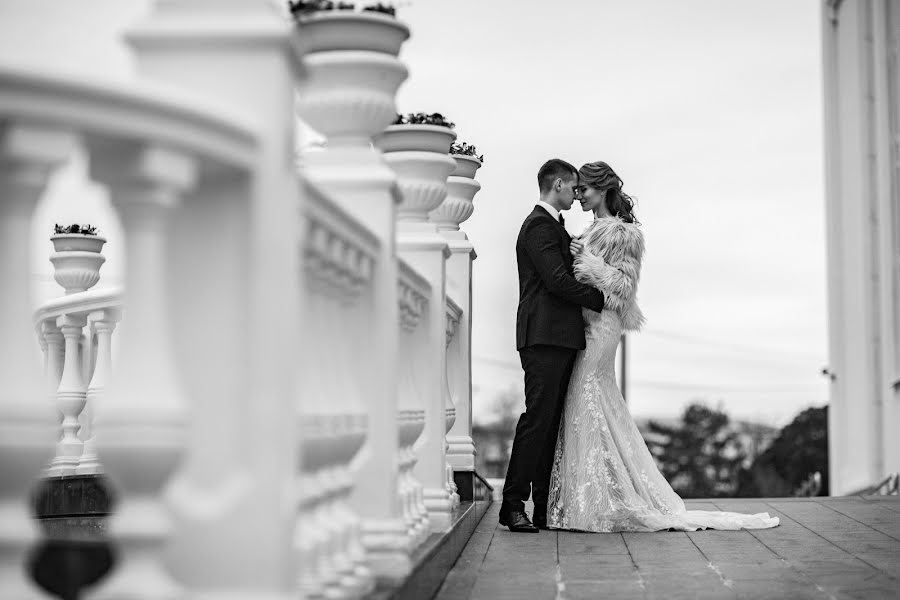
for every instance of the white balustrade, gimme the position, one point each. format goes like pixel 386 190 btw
pixel 28 155
pixel 94 311
pixel 289 359
pixel 339 259
pixel 413 298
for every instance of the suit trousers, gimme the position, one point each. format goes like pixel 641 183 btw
pixel 547 371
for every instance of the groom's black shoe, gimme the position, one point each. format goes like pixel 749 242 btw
pixel 540 521
pixel 517 521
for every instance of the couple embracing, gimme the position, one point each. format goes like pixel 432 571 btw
pixel 577 452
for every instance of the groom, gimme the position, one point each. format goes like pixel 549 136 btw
pixel 549 332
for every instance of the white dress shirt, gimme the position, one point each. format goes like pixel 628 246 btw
pixel 553 212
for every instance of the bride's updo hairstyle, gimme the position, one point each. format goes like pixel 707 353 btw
pixel 600 176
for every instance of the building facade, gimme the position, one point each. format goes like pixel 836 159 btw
pixel 861 47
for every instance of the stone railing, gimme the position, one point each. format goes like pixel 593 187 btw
pixel 75 334
pixel 293 360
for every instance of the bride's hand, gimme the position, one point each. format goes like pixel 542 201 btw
pixel 576 247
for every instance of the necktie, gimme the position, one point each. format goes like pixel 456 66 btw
pixel 561 220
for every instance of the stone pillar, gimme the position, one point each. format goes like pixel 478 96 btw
pixel 28 154
pixel 461 190
pixel 422 178
pixel 237 326
pixel 142 423
pixel 348 96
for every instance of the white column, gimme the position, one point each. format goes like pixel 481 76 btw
pixel 422 179
pixel 864 407
pixel 70 397
pixel 449 405
pixel 458 207
pixel 427 255
pixel 141 424
pixel 27 426
pixel 236 329
pixel 104 327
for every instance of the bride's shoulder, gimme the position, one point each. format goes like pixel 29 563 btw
pixel 615 230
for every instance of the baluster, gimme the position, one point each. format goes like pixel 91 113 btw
pixel 450 407
pixel 411 416
pixel 141 421
pixel 70 397
pixel 27 427
pixel 104 327
pixel 55 356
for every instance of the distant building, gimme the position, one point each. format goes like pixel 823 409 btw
pixel 861 50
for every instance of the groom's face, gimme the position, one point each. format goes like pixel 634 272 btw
pixel 568 188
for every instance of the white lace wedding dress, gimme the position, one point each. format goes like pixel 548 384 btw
pixel 604 477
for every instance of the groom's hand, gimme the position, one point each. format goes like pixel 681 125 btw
pixel 576 247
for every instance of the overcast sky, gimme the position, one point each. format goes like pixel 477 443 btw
pixel 710 110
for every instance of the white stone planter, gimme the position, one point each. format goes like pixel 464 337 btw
pixel 418 155
pixel 424 138
pixel 349 96
pixel 348 30
pixel 77 261
pixel 461 189
pixel 77 241
pixel 465 166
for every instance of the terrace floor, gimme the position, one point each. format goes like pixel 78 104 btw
pixel 825 548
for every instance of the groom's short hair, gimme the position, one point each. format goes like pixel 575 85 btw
pixel 553 169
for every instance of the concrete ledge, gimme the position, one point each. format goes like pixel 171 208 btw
pixel 472 487
pixel 434 559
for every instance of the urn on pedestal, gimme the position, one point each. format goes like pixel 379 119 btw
pixel 352 69
pixel 416 147
pixel 461 189
pixel 77 259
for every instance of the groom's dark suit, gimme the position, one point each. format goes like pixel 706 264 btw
pixel 549 332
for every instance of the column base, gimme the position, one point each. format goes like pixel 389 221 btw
pixel 388 549
pixel 439 504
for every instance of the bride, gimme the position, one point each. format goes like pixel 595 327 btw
pixel 604 477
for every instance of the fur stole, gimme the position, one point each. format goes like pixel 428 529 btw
pixel 611 263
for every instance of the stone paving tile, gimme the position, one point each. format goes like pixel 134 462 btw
pixel 826 549
pixel 591 543
pixel 592 590
pixel 603 567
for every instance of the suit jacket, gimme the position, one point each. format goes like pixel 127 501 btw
pixel 550 298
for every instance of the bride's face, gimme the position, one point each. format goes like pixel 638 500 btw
pixel 590 198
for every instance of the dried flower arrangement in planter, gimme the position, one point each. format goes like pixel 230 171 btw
pixel 424 119
pixel 74 228
pixel 303 8
pixel 464 149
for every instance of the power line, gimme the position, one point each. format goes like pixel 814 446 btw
pixel 741 348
